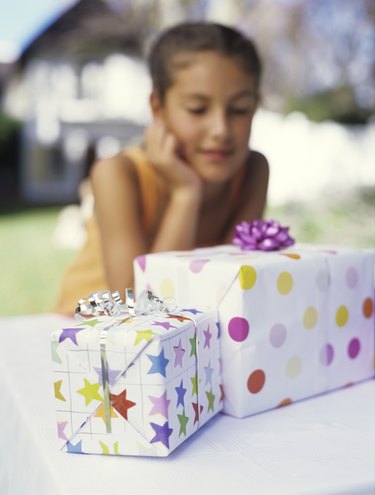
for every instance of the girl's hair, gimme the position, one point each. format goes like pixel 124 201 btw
pixel 196 37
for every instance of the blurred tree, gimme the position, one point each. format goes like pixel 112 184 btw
pixel 318 54
pixel 9 155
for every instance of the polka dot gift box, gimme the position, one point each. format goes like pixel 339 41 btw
pixel 161 382
pixel 294 323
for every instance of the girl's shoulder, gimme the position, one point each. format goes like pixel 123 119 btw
pixel 126 183
pixel 118 170
pixel 113 166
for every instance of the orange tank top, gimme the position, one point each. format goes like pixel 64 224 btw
pixel 86 273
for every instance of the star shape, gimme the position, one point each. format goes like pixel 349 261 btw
pixel 143 447
pixel 194 382
pixel 90 392
pixel 159 363
pixel 218 329
pixel 211 400
pixel 179 354
pixel 162 433
pixel 112 375
pixel 165 324
pixel 208 370
pixel 121 403
pixel 91 322
pixel 69 333
pixel 197 411
pixel 105 448
pixel 143 335
pixel 193 346
pixel 207 337
pixel 57 387
pixel 221 393
pixel 183 420
pixel 181 391
pixel 160 405
pixel 60 430
pixel 74 449
pixel 100 412
pixel 55 355
pixel 192 310
pixel 180 318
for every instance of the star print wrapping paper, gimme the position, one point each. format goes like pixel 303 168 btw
pixel 294 323
pixel 164 382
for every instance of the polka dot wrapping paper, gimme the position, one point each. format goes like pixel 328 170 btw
pixel 293 323
pixel 164 382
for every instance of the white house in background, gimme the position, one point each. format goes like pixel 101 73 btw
pixel 81 89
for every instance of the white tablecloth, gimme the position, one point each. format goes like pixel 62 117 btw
pixel 324 445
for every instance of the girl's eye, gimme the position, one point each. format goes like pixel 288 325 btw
pixel 197 110
pixel 240 111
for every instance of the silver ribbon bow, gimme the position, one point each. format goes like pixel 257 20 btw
pixel 110 304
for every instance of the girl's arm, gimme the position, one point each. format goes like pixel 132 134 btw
pixel 118 214
pixel 178 227
pixel 254 194
pixel 118 208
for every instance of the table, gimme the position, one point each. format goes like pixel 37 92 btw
pixel 324 445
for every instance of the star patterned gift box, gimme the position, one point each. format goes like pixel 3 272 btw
pixel 163 375
pixel 294 323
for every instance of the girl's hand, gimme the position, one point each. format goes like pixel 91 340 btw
pixel 162 150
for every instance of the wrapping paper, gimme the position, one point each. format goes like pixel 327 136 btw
pixel 164 382
pixel 294 323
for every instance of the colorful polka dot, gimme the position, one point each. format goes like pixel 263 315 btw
pixel 294 367
pixel 351 277
pixel 326 354
pixel 167 288
pixel 247 277
pixel 284 283
pixel 141 260
pixel 285 402
pixel 310 318
pixel 342 316
pixel 368 307
pixel 278 335
pixel 238 328
pixel 353 348
pixel 197 266
pixel 256 381
pixel 292 256
pixel 323 280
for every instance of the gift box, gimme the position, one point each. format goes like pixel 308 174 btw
pixel 135 385
pixel 294 323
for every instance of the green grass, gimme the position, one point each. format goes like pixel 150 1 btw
pixel 346 219
pixel 32 264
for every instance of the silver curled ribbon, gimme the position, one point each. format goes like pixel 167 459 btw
pixel 110 304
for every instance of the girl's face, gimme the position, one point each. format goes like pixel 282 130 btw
pixel 209 108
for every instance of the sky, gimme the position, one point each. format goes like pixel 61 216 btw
pixel 22 20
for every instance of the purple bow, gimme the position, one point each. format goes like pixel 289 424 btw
pixel 265 235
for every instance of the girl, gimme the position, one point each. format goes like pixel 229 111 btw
pixel 195 178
